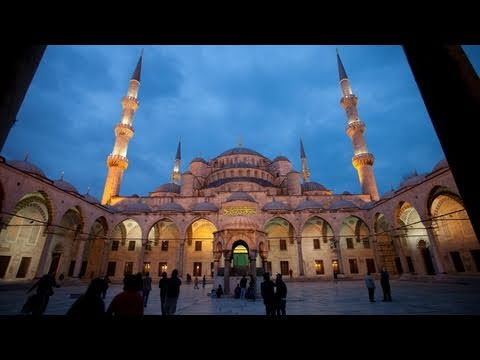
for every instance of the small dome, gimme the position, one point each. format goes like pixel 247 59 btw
pixel 205 206
pixel 135 207
pixel 346 193
pixel 414 180
pixel 342 204
pixel 240 196
pixel 91 199
pixel 174 207
pixel 62 184
pixel 240 150
pixel 170 187
pixel 276 205
pixel 281 158
pixel 199 159
pixel 309 204
pixel 313 186
pixel 26 167
pixel 440 165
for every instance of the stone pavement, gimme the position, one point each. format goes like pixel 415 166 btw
pixel 304 298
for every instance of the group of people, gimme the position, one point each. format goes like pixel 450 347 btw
pixel 274 295
pixel 384 282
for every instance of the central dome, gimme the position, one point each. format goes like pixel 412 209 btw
pixel 240 150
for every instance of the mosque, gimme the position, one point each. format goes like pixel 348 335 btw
pixel 237 213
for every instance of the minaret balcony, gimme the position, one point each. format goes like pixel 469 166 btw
pixel 124 130
pixel 354 127
pixel 364 159
pixel 348 100
pixel 117 161
pixel 129 102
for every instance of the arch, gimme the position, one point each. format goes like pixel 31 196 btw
pixel 385 247
pixel 24 236
pixel 281 247
pixel 456 240
pixel 411 231
pixel 96 246
pixel 199 248
pixel 315 227
pixel 437 191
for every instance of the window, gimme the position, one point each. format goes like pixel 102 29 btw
pixel 111 268
pixel 162 267
pixel 316 244
pixel 353 266
pixel 24 265
pixel 71 269
pixel 115 244
pixel 268 265
pixel 131 245
pixel 197 269
pixel 349 243
pixel 165 245
pixel 370 266
pixel 283 245
pixel 128 268
pixel 284 267
pixel 319 269
pixel 366 243
pixel 198 245
pixel 146 267
pixel 4 261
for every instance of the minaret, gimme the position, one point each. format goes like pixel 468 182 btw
pixel 176 167
pixel 305 170
pixel 117 161
pixel 362 160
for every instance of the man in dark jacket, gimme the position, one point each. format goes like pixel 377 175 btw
pixel 267 288
pixel 280 295
pixel 385 282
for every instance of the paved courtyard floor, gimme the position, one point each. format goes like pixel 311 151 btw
pixel 304 298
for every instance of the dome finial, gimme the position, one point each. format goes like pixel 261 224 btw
pixel 26 156
pixel 88 190
pixel 240 142
pixel 61 175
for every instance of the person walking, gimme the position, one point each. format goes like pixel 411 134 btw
pixel 385 282
pixel 173 291
pixel 280 296
pixel 370 284
pixel 267 288
pixel 163 285
pixel 147 287
pixel 90 304
pixel 204 282
pixel 195 283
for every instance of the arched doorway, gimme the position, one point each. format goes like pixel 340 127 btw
pixel 240 260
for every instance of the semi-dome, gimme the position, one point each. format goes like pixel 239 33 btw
pixel 174 207
pixel 169 187
pixel 313 186
pixel 240 195
pixel 135 207
pixel 276 206
pixel 26 167
pixel 66 186
pixel 240 150
pixel 342 204
pixel 239 222
pixel 199 159
pixel 205 206
pixel 414 180
pixel 440 165
pixel 91 199
pixel 281 158
pixel 309 204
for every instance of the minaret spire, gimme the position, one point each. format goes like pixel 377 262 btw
pixel 362 160
pixel 117 161
pixel 176 166
pixel 303 158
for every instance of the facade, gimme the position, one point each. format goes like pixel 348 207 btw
pixel 238 213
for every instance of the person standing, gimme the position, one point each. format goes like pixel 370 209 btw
pixel 147 287
pixel 163 285
pixel 195 283
pixel 280 296
pixel 370 284
pixel 267 288
pixel 90 304
pixel 385 282
pixel 243 287
pixel 173 291
pixel 106 281
pixel 204 282
pixel 129 303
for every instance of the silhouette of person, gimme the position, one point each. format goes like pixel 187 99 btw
pixel 243 287
pixel 280 295
pixel 291 273
pixel 204 282
pixel 106 281
pixel 163 285
pixel 267 288
pixel 370 284
pixel 89 304
pixel 173 291
pixel 219 291
pixel 147 287
pixel 385 282
pixel 37 304
pixel 237 292
pixel 129 302
pixel 195 283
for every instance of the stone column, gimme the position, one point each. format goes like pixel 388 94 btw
pixel 49 231
pixel 105 252
pixel 226 275
pixel 141 256
pixel 253 264
pixel 300 255
pixel 398 244
pixel 181 254
pixel 432 237
pixel 79 258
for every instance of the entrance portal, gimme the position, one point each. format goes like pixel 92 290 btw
pixel 240 263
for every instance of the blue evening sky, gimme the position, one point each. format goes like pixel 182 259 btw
pixel 211 96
